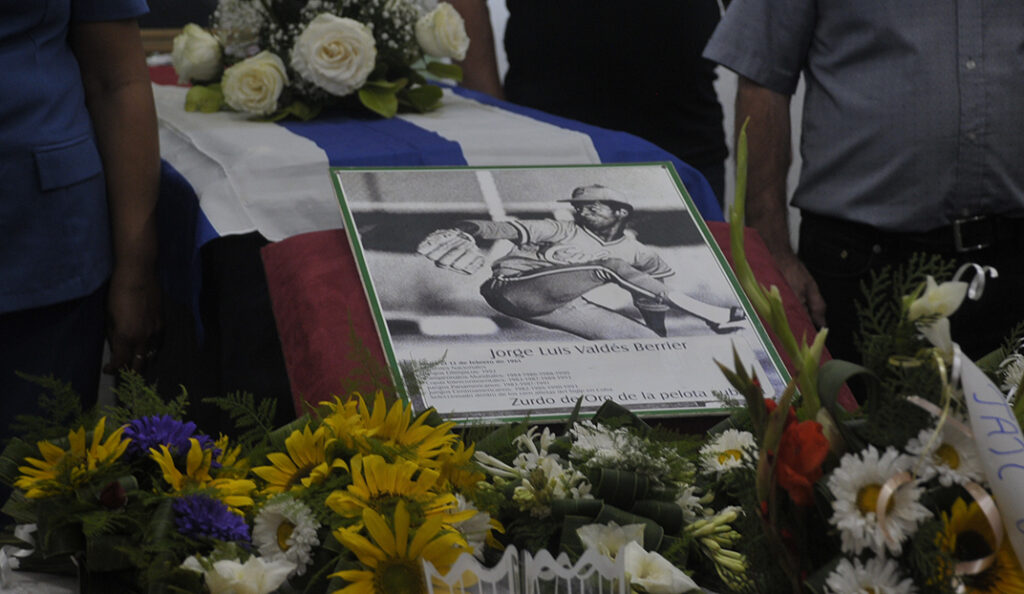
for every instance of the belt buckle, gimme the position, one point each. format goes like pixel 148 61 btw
pixel 968 236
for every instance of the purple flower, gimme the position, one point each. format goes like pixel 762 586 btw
pixel 202 516
pixel 152 432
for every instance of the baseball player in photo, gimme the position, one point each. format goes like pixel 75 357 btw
pixel 553 264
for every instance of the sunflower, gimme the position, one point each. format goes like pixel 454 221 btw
pixel 393 559
pixel 377 484
pixel 345 421
pixel 235 493
pixel 62 470
pixel 966 536
pixel 413 438
pixel 197 466
pixel 458 468
pixel 305 463
pixel 232 465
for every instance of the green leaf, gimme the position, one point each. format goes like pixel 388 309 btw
pixel 424 98
pixel 298 109
pixel 204 99
pixel 445 70
pixel 378 100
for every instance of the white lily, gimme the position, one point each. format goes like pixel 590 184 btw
pixel 938 299
pixel 255 576
pixel 654 573
pixel 610 538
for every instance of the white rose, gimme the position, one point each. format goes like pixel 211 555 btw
pixel 442 33
pixel 334 53
pixel 196 54
pixel 654 573
pixel 254 84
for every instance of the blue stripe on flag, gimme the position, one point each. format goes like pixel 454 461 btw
pixel 619 147
pixel 378 143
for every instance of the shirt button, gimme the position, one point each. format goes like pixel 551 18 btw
pixel 972 136
pixel 970 64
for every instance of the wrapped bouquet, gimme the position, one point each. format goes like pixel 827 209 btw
pixel 280 58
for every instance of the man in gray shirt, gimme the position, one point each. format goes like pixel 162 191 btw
pixel 912 140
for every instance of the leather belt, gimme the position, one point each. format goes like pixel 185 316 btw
pixel 969 234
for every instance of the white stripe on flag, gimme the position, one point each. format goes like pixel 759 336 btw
pixel 255 176
pixel 490 135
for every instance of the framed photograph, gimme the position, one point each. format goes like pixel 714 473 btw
pixel 501 293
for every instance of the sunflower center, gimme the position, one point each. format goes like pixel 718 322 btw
pixel 948 455
pixel 971 545
pixel 728 455
pixel 284 532
pixel 867 499
pixel 400 575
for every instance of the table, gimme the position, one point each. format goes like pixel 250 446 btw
pixel 231 186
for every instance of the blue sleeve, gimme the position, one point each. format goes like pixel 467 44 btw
pixel 765 40
pixel 107 10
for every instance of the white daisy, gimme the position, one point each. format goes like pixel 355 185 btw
pixel 285 528
pixel 730 449
pixel 951 455
pixel 856 484
pixel 877 576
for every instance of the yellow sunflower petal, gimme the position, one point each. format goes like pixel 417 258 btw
pixel 379 530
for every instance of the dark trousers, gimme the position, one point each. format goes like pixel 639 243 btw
pixel 64 340
pixel 841 255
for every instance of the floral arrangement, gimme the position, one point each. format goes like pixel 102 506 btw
pixel 912 490
pixel 280 58
pixel 351 499
pixel 901 494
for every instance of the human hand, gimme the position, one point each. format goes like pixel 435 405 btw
pixel 803 285
pixel 133 320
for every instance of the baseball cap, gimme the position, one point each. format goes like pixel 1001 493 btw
pixel 599 193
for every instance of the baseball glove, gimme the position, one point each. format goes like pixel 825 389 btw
pixel 452 249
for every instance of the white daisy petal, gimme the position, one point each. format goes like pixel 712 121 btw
pixel 878 574
pixel 286 520
pixel 855 485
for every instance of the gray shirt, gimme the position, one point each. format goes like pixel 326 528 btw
pixel 914 109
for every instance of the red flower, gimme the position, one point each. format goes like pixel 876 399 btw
pixel 802 450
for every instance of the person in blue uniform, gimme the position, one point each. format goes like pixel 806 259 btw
pixel 79 176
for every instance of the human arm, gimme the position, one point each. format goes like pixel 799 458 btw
pixel 120 102
pixel 480 68
pixel 769 149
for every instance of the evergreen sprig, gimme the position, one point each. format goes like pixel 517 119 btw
pixel 59 408
pixel 136 399
pixel 254 420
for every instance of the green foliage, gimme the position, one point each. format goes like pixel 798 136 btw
pixel 254 420
pixel 205 98
pixel 136 399
pixel 59 408
pixel 381 96
pixel 445 70
pixel 882 327
pixel 421 99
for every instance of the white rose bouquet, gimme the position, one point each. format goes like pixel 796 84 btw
pixel 280 58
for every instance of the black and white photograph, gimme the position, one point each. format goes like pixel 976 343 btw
pixel 562 269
